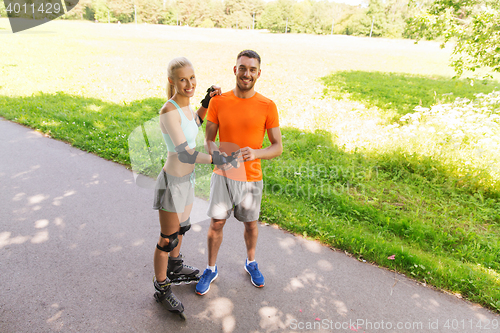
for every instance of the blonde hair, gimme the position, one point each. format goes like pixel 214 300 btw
pixel 173 66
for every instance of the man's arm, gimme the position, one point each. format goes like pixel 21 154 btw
pixel 274 150
pixel 210 135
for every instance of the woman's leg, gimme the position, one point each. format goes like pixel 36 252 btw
pixel 169 223
pixel 182 217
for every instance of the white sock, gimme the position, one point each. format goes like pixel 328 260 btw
pixel 212 268
pixel 248 261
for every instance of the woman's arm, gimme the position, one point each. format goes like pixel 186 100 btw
pixel 202 111
pixel 170 122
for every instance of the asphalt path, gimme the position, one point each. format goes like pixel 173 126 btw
pixel 77 237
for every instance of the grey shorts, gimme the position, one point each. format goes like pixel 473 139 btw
pixel 172 193
pixel 227 194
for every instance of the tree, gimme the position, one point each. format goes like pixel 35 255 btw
pixel 238 13
pixel 272 18
pixel 377 15
pixel 169 13
pixel 359 24
pixel 185 10
pixel 397 12
pixel 149 11
pixel 3 12
pixel 102 11
pixel 216 12
pixel 79 11
pixel 320 18
pixel 473 24
pixel 123 10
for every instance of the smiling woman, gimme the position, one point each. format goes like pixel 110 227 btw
pixel 174 189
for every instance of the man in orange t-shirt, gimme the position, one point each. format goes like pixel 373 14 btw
pixel 242 117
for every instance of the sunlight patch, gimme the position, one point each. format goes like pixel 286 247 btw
pixel 36 199
pixel 40 224
pixel 40 237
pixel 94 108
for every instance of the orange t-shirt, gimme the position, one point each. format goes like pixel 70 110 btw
pixel 242 123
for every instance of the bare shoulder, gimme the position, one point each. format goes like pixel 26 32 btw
pixel 168 117
pixel 167 107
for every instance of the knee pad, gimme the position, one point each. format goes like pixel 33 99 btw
pixel 173 240
pixel 185 226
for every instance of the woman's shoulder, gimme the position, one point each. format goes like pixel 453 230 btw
pixel 167 107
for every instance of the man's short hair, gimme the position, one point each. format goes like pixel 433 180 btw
pixel 248 54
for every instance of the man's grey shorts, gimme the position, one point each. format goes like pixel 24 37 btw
pixel 172 193
pixel 226 194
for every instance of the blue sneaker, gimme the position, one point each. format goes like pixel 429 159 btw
pixel 253 270
pixel 203 286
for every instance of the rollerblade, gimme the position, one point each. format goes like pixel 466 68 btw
pixel 179 273
pixel 164 294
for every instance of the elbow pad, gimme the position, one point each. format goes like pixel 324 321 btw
pixel 184 155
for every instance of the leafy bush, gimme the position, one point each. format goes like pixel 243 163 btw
pixel 464 135
pixel 208 23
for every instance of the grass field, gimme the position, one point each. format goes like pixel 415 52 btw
pixel 353 174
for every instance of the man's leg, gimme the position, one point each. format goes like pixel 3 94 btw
pixel 248 209
pixel 220 205
pixel 251 234
pixel 214 239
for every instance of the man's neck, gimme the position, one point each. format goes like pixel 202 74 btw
pixel 243 94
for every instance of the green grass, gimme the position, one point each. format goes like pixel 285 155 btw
pixel 103 128
pixel 398 93
pixel 105 81
pixel 372 206
pixel 87 123
pixel 376 206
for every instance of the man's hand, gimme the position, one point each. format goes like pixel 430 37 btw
pixel 248 154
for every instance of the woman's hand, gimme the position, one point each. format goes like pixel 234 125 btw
pixel 216 91
pixel 211 92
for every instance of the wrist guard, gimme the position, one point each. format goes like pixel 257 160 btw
pixel 200 120
pixel 206 100
pixel 218 159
